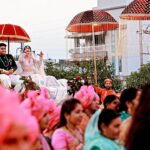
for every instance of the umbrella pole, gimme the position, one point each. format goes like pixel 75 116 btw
pixel 22 45
pixel 141 43
pixel 94 55
pixel 8 45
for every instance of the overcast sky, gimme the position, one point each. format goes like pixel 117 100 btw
pixel 44 20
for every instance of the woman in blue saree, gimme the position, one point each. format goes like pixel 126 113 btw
pixel 105 135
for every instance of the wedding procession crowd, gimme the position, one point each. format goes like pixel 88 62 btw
pixel 93 118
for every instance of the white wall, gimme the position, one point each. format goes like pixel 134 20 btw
pixel 103 4
pixel 131 53
pixel 131 48
pixel 108 4
pixel 115 13
pixel 131 61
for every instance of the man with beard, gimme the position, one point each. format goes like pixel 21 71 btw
pixel 103 92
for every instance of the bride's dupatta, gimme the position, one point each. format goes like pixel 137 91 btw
pixel 37 65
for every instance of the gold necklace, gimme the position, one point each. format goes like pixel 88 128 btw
pixel 74 135
pixel 5 65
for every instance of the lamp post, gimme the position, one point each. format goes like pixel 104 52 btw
pixel 94 53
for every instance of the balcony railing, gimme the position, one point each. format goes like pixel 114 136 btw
pixel 86 53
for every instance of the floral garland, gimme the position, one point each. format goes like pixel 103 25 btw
pixel 29 84
pixel 26 86
pixel 75 84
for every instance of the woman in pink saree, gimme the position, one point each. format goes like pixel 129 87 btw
pixel 68 136
pixel 90 102
pixel 30 64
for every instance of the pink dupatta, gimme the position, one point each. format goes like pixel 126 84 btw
pixel 44 143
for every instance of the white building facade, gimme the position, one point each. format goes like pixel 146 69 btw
pixel 131 46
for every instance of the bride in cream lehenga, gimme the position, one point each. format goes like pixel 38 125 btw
pixel 30 65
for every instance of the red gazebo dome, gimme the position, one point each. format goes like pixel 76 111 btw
pixel 137 10
pixel 97 19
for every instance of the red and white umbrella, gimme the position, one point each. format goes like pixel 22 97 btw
pixel 137 10
pixel 92 21
pixel 14 33
pixel 84 21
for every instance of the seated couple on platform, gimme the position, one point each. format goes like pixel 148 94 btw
pixel 28 65
pixel 28 62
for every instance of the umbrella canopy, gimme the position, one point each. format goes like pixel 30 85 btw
pixel 137 10
pixel 92 21
pixel 14 33
pixel 87 20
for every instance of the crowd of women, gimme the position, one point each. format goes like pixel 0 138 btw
pixel 80 123
pixel 91 119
